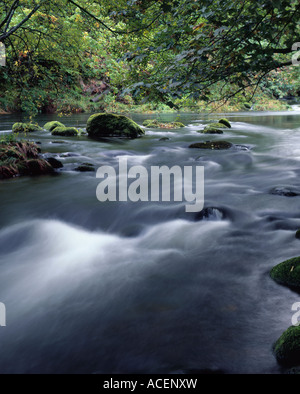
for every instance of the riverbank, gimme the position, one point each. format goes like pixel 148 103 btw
pixel 70 105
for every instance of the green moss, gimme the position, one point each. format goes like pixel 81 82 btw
pixel 151 123
pixel 217 125
pixel 51 125
pixel 287 347
pixel 17 128
pixel 211 130
pixel 155 124
pixel 217 145
pixel 225 122
pixel 110 125
pixel 26 127
pixel 177 125
pixel 65 131
pixel 287 273
pixel 297 235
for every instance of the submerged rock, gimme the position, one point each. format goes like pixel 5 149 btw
pixel 211 214
pixel 287 273
pixel 284 191
pixel 26 127
pixel 65 131
pixel 287 347
pixel 217 145
pixel 85 167
pixel 109 125
pixel 164 139
pixel 49 126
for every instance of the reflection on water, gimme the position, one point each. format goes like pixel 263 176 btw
pixel 145 287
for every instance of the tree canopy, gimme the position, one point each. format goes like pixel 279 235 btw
pixel 163 49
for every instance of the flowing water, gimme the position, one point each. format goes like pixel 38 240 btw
pixel 144 287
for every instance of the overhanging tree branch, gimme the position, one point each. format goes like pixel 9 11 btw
pixel 5 35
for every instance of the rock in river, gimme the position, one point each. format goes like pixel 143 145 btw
pixel 287 347
pixel 287 273
pixel 217 145
pixel 110 125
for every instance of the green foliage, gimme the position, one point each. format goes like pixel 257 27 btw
pixel 69 56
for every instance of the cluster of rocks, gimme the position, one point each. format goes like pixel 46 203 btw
pixel 287 347
pixel 214 128
pixel 23 158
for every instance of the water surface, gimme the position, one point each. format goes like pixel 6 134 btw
pixel 123 287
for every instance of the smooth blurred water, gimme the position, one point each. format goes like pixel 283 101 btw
pixel 123 287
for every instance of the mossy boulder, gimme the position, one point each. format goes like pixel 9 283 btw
pixel 211 130
pixel 155 124
pixel 217 145
pixel 26 127
pixel 297 234
pixel 65 131
pixel 22 158
pixel 49 126
pixel 225 122
pixel 218 125
pixel 287 347
pixel 287 273
pixel 110 125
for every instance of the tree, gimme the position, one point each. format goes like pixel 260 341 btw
pixel 169 48
pixel 232 44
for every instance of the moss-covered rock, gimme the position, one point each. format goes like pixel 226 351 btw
pixel 247 105
pixel 297 235
pixel 177 125
pixel 22 158
pixel 26 127
pixel 287 347
pixel 225 122
pixel 110 125
pixel 218 125
pixel 65 131
pixel 217 145
pixel 287 273
pixel 54 162
pixel 155 124
pixel 211 130
pixel 49 126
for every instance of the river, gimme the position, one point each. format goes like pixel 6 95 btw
pixel 145 287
